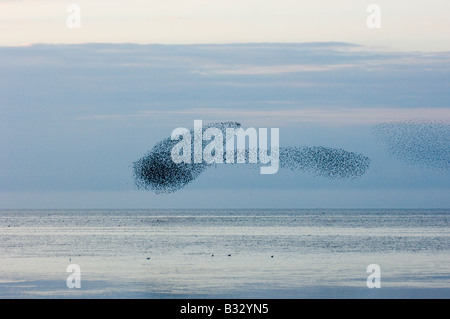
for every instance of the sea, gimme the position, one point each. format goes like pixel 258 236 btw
pixel 254 253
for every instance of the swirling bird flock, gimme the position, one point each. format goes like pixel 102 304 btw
pixel 157 171
pixel 422 143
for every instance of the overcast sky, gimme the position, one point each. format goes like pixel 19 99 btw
pixel 75 114
pixel 405 24
pixel 74 118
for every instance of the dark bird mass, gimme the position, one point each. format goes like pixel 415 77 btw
pixel 157 171
pixel 421 143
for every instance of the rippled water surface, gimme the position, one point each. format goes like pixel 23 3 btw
pixel 224 253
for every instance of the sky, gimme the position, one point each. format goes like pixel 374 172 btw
pixel 404 24
pixel 79 105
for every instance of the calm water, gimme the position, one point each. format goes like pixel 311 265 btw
pixel 185 253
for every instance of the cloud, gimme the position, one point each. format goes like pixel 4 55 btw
pixel 287 117
pixel 278 69
pixel 74 117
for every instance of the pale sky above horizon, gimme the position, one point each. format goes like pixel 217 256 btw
pixel 405 25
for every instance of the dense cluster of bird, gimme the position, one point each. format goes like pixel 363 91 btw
pixel 423 143
pixel 157 171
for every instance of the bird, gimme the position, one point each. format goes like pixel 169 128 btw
pixel 148 258
pixel 229 255
pixel 271 256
